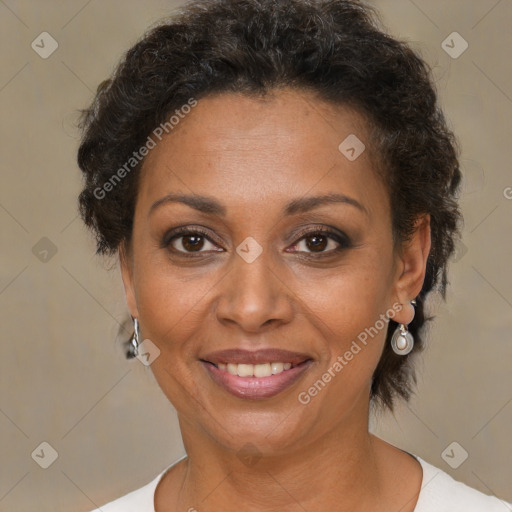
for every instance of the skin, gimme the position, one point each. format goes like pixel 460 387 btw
pixel 255 155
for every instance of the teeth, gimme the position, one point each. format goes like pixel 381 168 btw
pixel 245 370
pixel 262 370
pixel 277 368
pixel 254 370
pixel 233 369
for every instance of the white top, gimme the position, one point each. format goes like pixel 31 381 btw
pixel 439 493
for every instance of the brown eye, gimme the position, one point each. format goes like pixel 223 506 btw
pixel 189 241
pixel 317 243
pixel 192 242
pixel 321 241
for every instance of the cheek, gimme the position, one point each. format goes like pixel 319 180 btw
pixel 171 311
pixel 170 305
pixel 348 307
pixel 349 298
pixel 353 332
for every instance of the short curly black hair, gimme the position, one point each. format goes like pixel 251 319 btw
pixel 336 49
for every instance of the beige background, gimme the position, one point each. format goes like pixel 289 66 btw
pixel 63 377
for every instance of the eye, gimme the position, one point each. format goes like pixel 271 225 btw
pixel 321 241
pixel 189 241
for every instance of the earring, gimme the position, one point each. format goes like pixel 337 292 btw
pixel 133 348
pixel 402 341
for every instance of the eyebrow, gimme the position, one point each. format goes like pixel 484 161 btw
pixel 211 206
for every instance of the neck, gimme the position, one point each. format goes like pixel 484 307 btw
pixel 339 470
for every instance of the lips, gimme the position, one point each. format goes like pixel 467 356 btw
pixel 241 372
pixel 239 356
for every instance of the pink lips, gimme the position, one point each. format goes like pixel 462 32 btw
pixel 239 356
pixel 255 387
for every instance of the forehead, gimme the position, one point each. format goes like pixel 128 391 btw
pixel 252 150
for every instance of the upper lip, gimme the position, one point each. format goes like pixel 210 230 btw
pixel 269 355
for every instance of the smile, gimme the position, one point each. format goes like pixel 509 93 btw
pixel 255 375
pixel 254 370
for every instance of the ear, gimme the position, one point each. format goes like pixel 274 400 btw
pixel 411 268
pixel 126 265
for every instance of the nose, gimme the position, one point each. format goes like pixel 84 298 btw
pixel 254 296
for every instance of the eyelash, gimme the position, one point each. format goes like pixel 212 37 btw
pixel 340 238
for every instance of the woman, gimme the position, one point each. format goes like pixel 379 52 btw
pixel 280 186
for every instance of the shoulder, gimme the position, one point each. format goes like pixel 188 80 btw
pixel 139 500
pixel 441 493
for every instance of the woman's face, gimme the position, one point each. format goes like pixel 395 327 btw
pixel 271 269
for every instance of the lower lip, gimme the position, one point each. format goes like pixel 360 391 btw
pixel 256 387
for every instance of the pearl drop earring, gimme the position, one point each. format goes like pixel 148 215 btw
pixel 402 341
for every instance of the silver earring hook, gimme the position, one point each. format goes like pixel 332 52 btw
pixel 133 349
